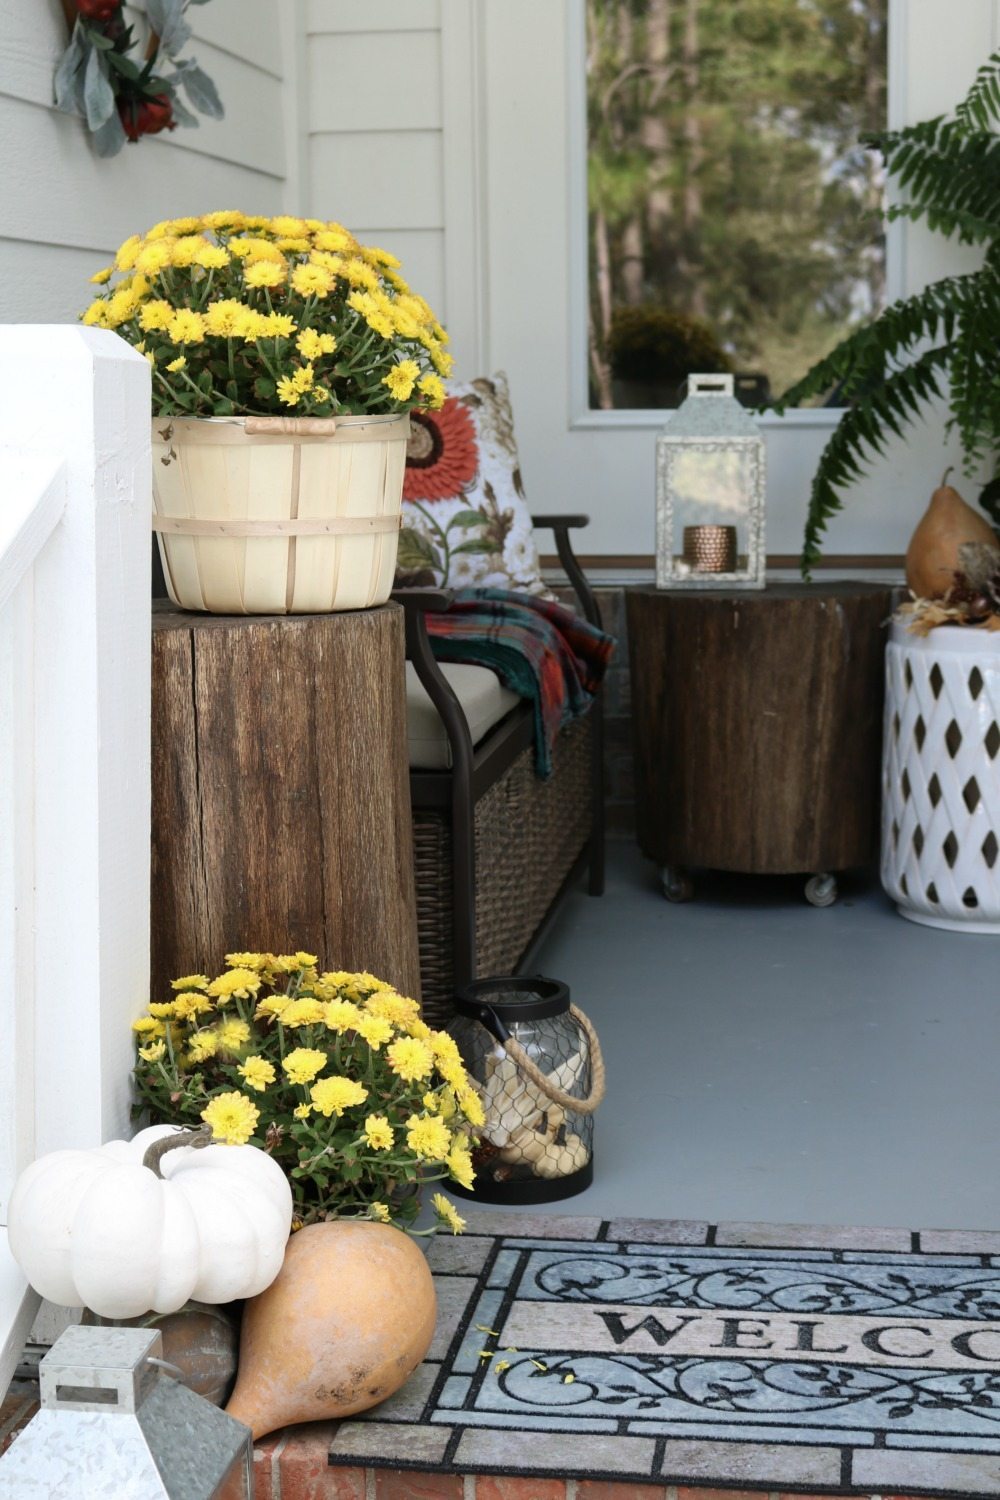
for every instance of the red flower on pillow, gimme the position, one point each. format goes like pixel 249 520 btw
pixel 442 455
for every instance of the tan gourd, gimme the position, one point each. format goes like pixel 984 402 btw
pixel 932 556
pixel 347 1321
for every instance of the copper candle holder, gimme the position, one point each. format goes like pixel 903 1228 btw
pixel 710 549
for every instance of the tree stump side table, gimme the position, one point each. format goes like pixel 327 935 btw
pixel 281 803
pixel 757 723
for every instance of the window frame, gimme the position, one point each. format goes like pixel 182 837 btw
pixel 582 416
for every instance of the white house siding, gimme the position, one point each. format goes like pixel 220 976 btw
pixel 375 153
pixel 64 209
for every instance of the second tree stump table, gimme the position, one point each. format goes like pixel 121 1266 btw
pixel 757 722
pixel 281 802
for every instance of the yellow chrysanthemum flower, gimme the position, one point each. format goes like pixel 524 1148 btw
pixel 264 273
pixel 184 252
pixel 380 1213
pixel 332 263
pixel 121 306
pixel 291 963
pixel 303 378
pixel 186 225
pixel 252 249
pixel 302 1111
pixel 341 1015
pixel 312 281
pixel 103 275
pixel 224 219
pixel 398 1009
pixel 233 1118
pixel 202 1046
pixel 442 362
pixel 274 1005
pixel 127 253
pixel 334 237
pixel 154 1052
pixel 376 1030
pixel 401 379
pixel 221 318
pixel 305 1012
pixel 233 1034
pixel 448 1213
pixel 382 257
pixel 418 1028
pixel 153 258
pixel 257 1073
pixel 147 1026
pixel 190 982
pixel 294 245
pixel 379 321
pixel 212 257
pixel 251 325
pixel 288 224
pixel 191 1003
pixel 410 1058
pixel 177 364
pixel 361 275
pixel 471 1106
pixel 241 983
pixel 187 327
pixel 311 344
pixel 279 326
pixel 432 387
pixel 288 392
pixel 332 1096
pixel 379 1133
pixel 162 1009
pixel 155 315
pixel 460 1163
pixel 96 315
pixel 302 1065
pixel 428 1137
pixel 255 961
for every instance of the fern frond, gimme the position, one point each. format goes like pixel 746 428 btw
pixel 862 435
pixel 980 109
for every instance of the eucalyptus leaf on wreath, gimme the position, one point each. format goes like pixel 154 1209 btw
pixel 941 342
pixel 122 93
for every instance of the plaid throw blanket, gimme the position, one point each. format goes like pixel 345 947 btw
pixel 537 648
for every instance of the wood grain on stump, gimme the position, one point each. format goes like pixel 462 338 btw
pixel 281 804
pixel 757 722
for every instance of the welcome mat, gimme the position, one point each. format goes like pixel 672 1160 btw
pixel 847 1361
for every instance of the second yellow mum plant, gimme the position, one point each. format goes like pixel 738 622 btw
pixel 241 314
pixel 335 1075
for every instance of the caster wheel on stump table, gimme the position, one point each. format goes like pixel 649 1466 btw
pixel 676 885
pixel 821 890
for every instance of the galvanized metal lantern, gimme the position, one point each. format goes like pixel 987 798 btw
pixel 710 482
pixel 113 1423
pixel 537 1064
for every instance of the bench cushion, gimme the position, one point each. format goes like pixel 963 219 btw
pixel 484 699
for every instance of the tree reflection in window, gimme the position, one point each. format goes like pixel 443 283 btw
pixel 734 217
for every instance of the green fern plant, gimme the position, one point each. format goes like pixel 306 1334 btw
pixel 947 337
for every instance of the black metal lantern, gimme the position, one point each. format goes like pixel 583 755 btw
pixel 537 1063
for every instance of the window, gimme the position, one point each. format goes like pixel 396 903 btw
pixel 734 217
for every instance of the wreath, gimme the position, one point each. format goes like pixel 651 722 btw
pixel 122 88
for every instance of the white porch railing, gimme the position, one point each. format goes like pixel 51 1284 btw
pixel 74 750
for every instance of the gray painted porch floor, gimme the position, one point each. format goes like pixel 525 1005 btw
pixel 772 1062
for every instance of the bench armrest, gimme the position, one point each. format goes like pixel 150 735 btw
pixel 417 605
pixel 562 526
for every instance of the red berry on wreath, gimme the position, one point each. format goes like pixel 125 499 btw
pixel 146 116
pixel 98 10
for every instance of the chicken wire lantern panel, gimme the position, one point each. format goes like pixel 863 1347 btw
pixel 710 485
pixel 536 1063
pixel 114 1423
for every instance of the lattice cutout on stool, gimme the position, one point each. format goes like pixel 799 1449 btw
pixel 941 810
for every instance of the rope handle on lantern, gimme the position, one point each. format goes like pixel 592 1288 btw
pixel 543 1082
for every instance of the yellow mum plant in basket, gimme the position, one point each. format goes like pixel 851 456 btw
pixel 335 1075
pixel 243 314
pixel 286 358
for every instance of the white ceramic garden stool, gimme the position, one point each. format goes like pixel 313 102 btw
pixel 941 777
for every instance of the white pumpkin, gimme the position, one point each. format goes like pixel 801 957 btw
pixel 98 1229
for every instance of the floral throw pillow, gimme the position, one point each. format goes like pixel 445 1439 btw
pixel 465 521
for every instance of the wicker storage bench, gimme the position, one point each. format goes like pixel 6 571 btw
pixel 495 846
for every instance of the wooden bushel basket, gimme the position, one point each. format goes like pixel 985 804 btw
pixel 278 515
